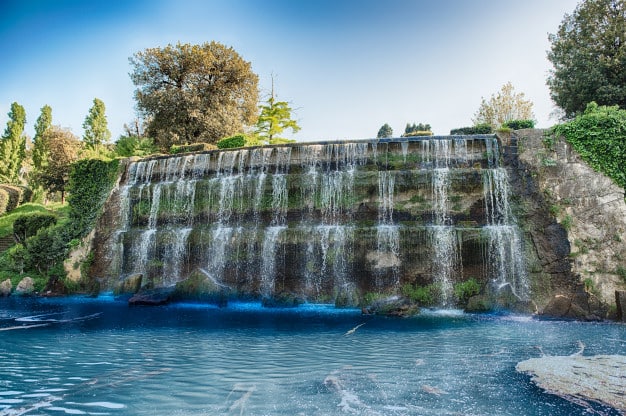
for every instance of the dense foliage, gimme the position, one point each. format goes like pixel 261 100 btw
pixel 477 129
pixel 40 151
pixel 384 131
pixel 194 93
pixel 599 135
pixel 127 146
pixel 502 107
pixel 90 182
pixel 411 129
pixel 588 53
pixel 27 225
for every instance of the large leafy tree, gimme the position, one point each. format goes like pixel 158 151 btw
pixel 385 131
pixel 588 53
pixel 96 126
pixel 504 106
pixel 194 93
pixel 64 149
pixel 13 145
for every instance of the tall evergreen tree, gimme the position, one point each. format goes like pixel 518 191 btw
pixel 13 145
pixel 96 130
pixel 40 148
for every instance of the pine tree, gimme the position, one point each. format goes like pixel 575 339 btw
pixel 95 125
pixel 13 145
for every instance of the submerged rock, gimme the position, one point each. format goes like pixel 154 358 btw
pixel 600 378
pixel 25 287
pixel 5 288
pixel 151 298
pixel 282 300
pixel 392 306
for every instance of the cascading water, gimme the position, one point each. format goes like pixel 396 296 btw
pixel 320 221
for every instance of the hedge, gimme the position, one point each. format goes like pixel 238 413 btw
pixel 477 129
pixel 4 201
pixel 232 142
pixel 519 124
pixel 14 196
pixel 193 147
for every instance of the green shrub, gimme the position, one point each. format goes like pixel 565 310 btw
pixel 465 290
pixel 127 146
pixel 46 249
pixel 27 225
pixel 599 136
pixel 477 129
pixel 238 140
pixel 422 295
pixel 194 147
pixel 519 124
pixel 621 272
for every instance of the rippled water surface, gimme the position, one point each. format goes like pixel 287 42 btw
pixel 98 356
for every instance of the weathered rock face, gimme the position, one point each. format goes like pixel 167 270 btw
pixel 319 222
pixel 575 219
pixel 620 303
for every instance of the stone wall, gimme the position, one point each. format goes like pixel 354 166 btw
pixel 561 196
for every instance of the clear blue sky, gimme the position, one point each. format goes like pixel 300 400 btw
pixel 346 66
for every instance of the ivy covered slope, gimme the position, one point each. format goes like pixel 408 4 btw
pixel 599 135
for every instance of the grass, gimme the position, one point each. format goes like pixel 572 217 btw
pixel 6 220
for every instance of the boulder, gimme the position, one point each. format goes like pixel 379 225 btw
pixel 25 287
pixel 5 288
pixel 620 302
pixel 156 297
pixel 392 306
pixel 563 307
pixel 479 303
pixel 201 286
pixel 130 285
pixel 282 300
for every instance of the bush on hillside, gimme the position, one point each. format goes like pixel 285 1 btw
pixel 15 196
pixel 4 201
pixel 27 225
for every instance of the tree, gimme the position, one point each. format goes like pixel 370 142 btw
pixel 275 118
pixel 588 53
pixel 194 93
pixel 40 149
pixel 505 106
pixel 13 145
pixel 96 130
pixel 64 148
pixel 385 131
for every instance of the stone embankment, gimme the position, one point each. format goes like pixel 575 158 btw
pixel 575 221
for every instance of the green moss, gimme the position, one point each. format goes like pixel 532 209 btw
pixel 465 290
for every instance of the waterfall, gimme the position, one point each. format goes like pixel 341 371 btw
pixel 323 221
